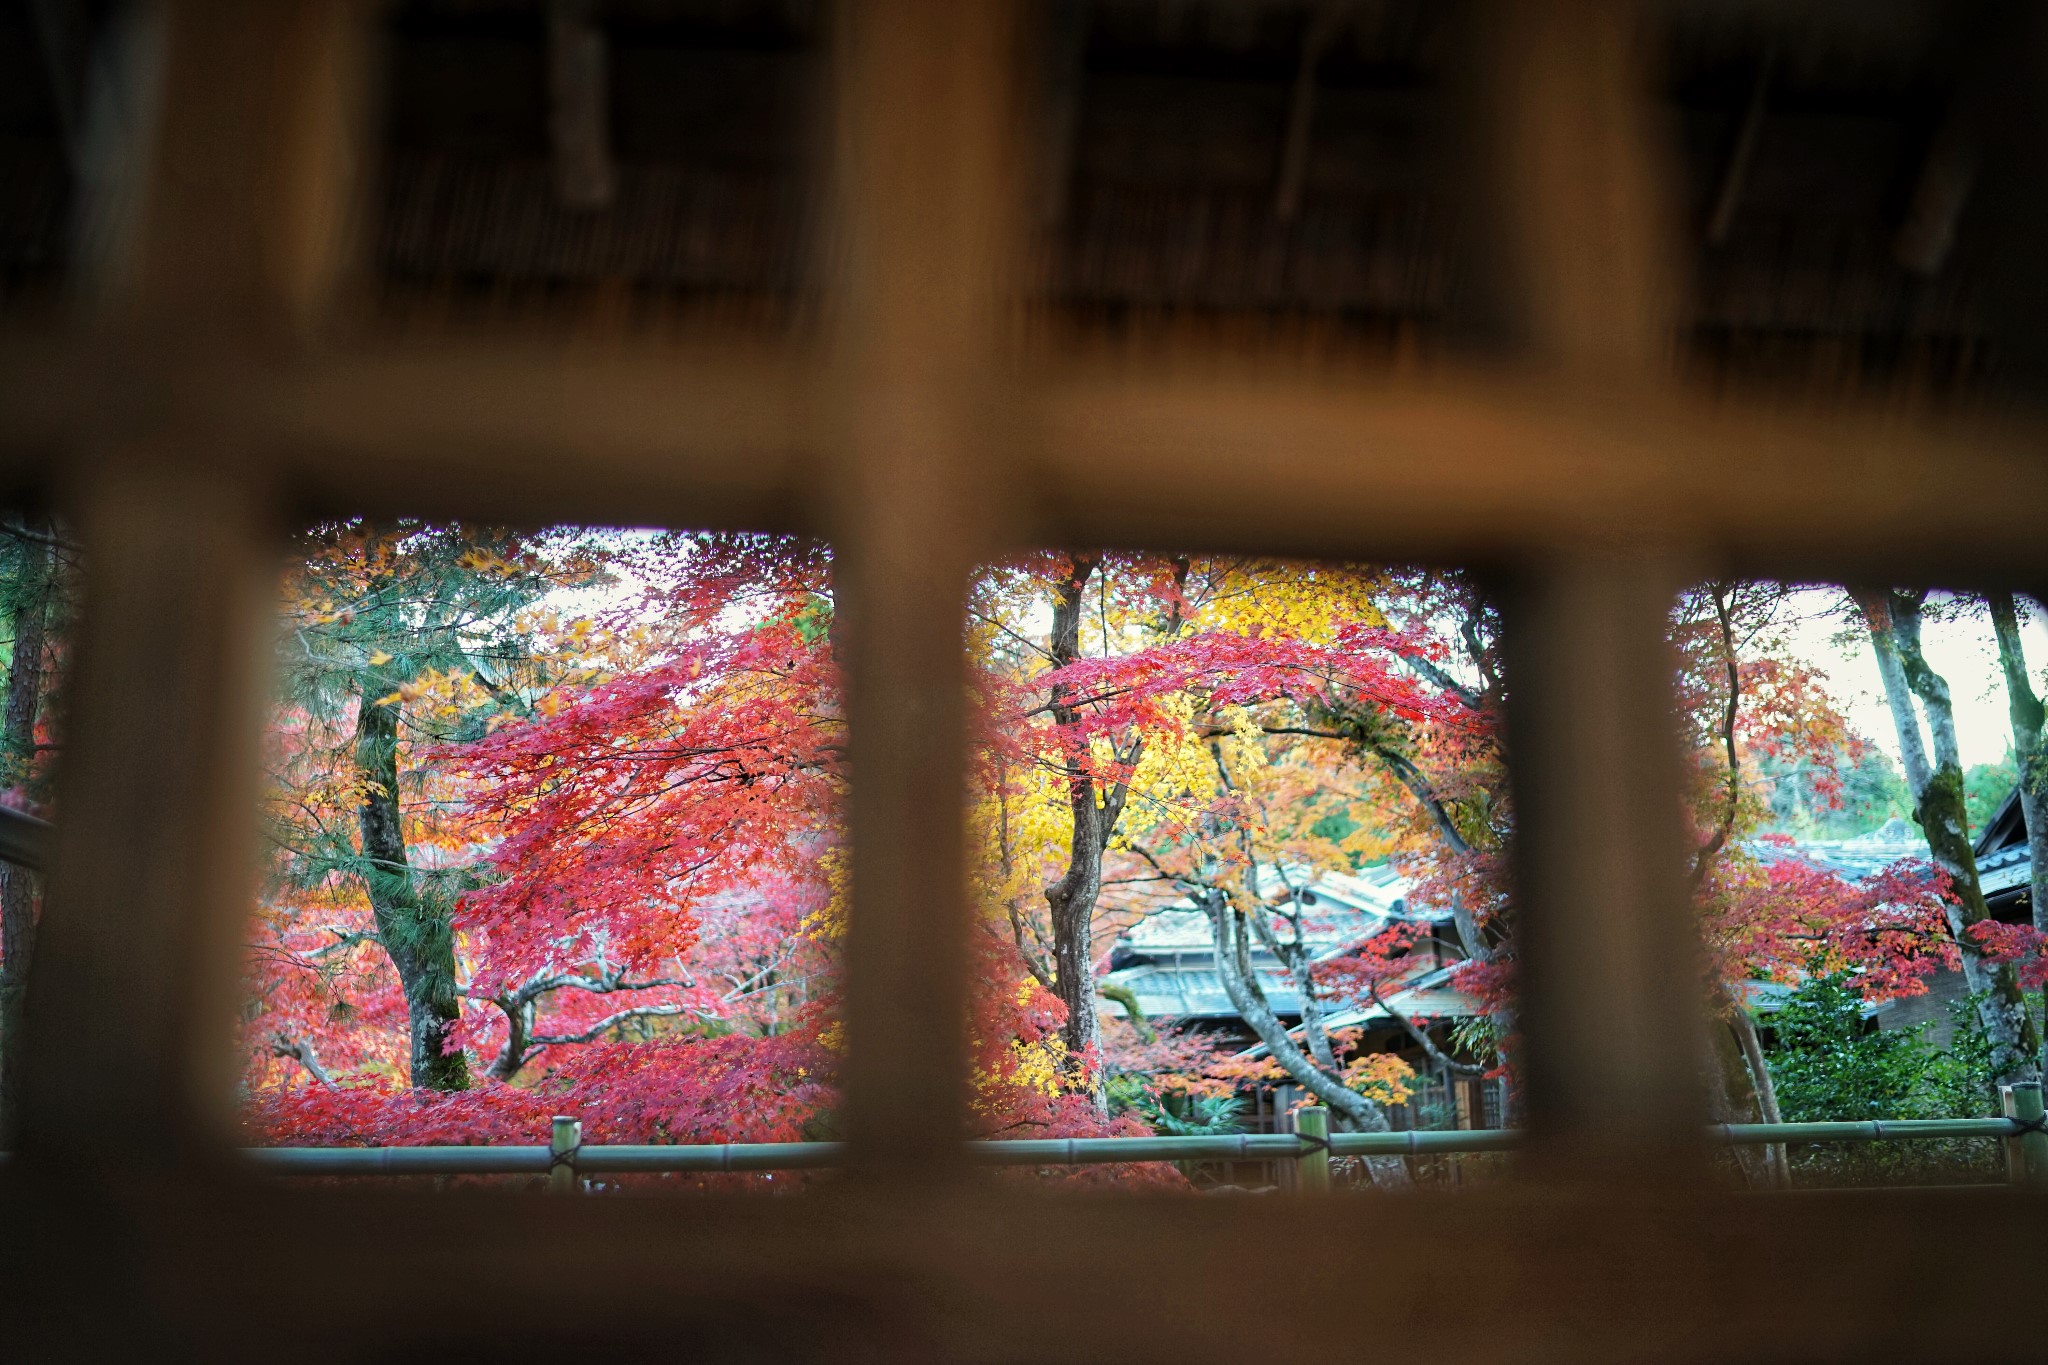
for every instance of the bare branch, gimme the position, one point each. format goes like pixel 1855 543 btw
pixel 606 1024
pixel 1422 1039
pixel 301 1051
pixel 1430 672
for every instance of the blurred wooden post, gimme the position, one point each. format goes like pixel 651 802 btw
pixel 132 1006
pixel 233 241
pixel 225 248
pixel 1611 993
pixel 923 200
pixel 1586 208
pixel 1312 1168
pixel 565 1136
pixel 2026 1155
pixel 579 119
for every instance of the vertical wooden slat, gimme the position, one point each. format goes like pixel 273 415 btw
pixel 132 994
pixel 236 230
pixel 923 194
pixel 231 241
pixel 1610 982
pixel 579 115
pixel 1584 198
pixel 1611 993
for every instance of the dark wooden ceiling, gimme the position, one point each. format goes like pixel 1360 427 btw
pixel 1172 181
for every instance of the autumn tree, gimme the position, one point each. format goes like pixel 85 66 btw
pixel 699 789
pixel 395 636
pixel 1449 766
pixel 1754 710
pixel 1096 785
pixel 1715 630
pixel 648 928
pixel 1934 774
pixel 535 682
pixel 2030 757
pixel 1164 720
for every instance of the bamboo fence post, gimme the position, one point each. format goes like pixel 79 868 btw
pixel 1312 1168
pixel 2011 1144
pixel 563 1139
pixel 2026 1153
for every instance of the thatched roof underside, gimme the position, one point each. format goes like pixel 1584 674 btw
pixel 1161 188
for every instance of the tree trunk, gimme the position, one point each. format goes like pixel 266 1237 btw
pixel 1753 1052
pixel 1313 1030
pixel 1894 621
pixel 2028 716
pixel 1732 1097
pixel 1766 1090
pixel 1240 983
pixel 418 938
pixel 18 742
pixel 1363 728
pixel 518 1013
pixel 1072 898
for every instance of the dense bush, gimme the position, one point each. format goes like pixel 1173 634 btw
pixel 1830 1065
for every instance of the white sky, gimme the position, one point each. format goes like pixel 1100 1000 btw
pixel 1962 651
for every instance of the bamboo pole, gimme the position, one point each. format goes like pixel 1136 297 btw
pixel 2026 1151
pixel 565 1142
pixel 1312 1167
pixel 2014 1171
pixel 780 1156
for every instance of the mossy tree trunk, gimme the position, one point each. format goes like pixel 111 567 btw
pixel 2028 716
pixel 417 935
pixel 1071 899
pixel 1935 776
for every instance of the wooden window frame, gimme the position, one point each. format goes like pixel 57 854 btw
pixel 210 398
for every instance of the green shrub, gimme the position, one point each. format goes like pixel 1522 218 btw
pixel 1830 1065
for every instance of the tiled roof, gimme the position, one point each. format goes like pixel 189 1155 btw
pixel 1167 991
pixel 1427 996
pixel 1999 869
pixel 2003 869
pixel 1340 909
pixel 1174 974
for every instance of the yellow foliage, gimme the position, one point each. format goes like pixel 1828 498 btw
pixel 1042 1068
pixel 828 923
pixel 1380 1076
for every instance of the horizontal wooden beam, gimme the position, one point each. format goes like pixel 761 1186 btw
pixel 1205 450
pixel 700 436
pixel 686 435
pixel 1489 465
pixel 1586 1274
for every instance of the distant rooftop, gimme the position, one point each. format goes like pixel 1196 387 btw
pixel 1857 857
pixel 1340 909
pixel 1167 958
